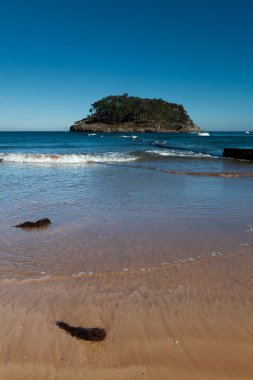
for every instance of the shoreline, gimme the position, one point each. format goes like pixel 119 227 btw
pixel 97 130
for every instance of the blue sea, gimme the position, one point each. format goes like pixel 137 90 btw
pixel 194 151
pixel 120 202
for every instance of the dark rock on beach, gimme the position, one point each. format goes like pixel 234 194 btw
pixel 94 334
pixel 41 223
pixel 131 114
pixel 241 154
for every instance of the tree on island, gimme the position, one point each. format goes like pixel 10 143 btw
pixel 124 108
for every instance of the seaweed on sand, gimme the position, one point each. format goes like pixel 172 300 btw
pixel 93 334
pixel 41 223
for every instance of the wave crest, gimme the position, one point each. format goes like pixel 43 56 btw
pixel 84 158
pixel 179 153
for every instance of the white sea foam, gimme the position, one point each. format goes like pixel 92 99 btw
pixel 218 253
pixel 32 279
pixel 129 137
pixel 65 158
pixel 204 134
pixel 79 274
pixel 177 153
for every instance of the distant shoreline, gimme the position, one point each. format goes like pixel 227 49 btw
pixel 84 127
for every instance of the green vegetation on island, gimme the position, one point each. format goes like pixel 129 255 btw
pixel 125 113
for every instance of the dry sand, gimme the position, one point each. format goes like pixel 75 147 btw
pixel 181 321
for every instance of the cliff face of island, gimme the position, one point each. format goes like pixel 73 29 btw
pixel 125 113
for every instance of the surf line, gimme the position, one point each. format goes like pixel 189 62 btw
pixel 175 264
pixel 189 173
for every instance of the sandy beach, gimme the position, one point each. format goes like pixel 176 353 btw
pixel 162 261
pixel 190 320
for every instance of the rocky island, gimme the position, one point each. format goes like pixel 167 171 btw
pixel 125 113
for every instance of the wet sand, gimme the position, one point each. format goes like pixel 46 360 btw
pixel 186 320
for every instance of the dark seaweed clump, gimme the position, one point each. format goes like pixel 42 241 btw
pixel 45 222
pixel 93 334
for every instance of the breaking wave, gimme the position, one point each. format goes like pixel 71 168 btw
pixel 89 158
pixel 129 137
pixel 179 153
pixel 85 158
pixel 204 134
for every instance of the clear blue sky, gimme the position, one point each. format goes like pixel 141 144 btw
pixel 59 56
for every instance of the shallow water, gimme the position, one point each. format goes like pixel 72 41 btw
pixel 117 204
